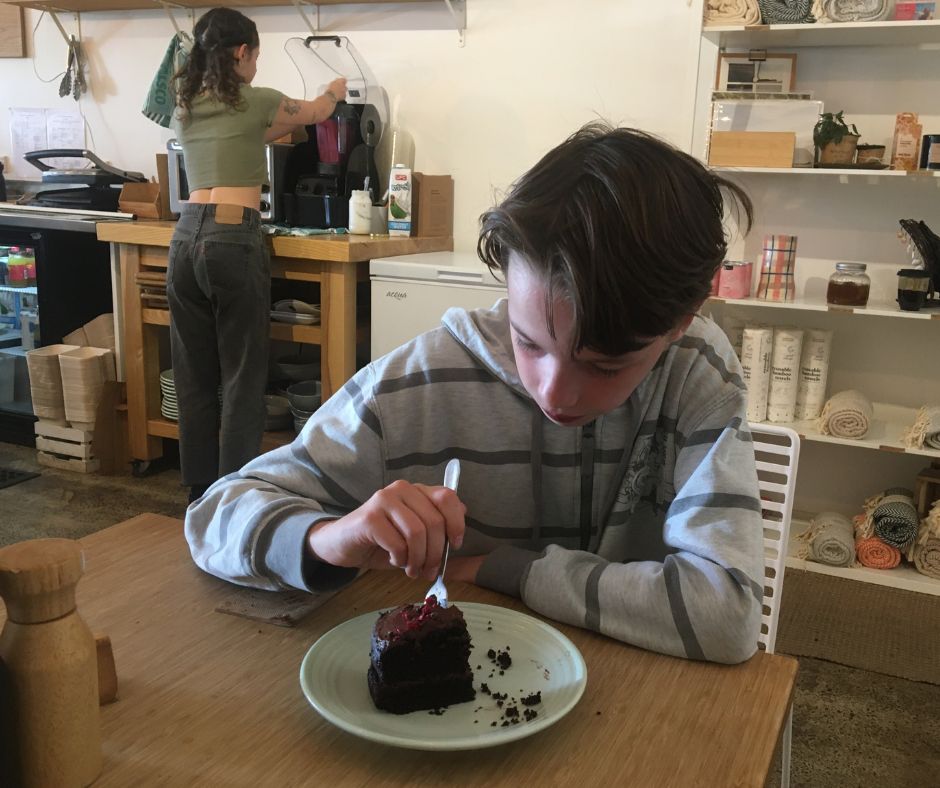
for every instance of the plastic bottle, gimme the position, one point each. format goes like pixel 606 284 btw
pixel 50 658
pixel 360 213
pixel 16 268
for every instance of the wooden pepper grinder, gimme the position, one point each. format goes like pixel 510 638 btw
pixel 50 659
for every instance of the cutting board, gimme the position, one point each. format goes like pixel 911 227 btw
pixel 12 35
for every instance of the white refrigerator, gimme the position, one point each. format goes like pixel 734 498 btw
pixel 410 293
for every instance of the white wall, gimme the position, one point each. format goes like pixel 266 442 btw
pixel 529 74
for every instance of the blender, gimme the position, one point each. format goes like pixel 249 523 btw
pixel 339 154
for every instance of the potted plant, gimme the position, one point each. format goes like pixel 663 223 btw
pixel 835 140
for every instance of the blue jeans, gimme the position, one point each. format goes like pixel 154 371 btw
pixel 219 290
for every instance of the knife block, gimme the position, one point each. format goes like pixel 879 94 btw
pixel 50 658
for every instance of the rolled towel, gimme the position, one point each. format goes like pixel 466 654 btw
pixel 855 10
pixel 895 518
pixel 847 414
pixel 875 554
pixel 786 12
pixel 926 557
pixel 924 553
pixel 732 12
pixel 925 431
pixel 830 539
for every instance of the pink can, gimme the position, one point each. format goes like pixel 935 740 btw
pixel 734 279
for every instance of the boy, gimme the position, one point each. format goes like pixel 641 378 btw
pixel 608 474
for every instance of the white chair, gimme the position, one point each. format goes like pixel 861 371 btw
pixel 777 451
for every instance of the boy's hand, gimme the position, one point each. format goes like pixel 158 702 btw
pixel 402 525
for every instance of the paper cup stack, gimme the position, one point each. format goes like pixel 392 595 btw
pixel 84 372
pixel 45 381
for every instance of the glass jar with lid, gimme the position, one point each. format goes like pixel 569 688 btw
pixel 849 285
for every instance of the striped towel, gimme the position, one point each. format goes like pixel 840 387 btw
pixel 925 431
pixel 830 539
pixel 732 12
pixel 161 97
pixel 852 10
pixel 894 517
pixel 786 12
pixel 924 552
pixel 875 554
pixel 847 414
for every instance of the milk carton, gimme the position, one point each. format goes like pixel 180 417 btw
pixel 399 201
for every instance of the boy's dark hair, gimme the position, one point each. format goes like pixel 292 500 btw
pixel 210 67
pixel 625 225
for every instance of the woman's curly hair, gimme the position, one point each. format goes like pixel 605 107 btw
pixel 210 67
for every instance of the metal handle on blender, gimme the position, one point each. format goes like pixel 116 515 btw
pixel 335 39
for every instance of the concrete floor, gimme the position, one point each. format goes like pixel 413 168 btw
pixel 850 727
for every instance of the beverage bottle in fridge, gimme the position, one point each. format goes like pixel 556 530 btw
pixel 16 268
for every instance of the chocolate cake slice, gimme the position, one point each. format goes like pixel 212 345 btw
pixel 420 658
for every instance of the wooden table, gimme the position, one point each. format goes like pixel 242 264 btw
pixel 212 699
pixel 336 263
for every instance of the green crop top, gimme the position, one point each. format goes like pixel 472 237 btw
pixel 224 146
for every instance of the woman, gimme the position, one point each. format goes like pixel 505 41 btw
pixel 218 281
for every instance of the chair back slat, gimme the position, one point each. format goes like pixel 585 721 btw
pixel 777 452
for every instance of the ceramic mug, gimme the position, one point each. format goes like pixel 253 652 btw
pixel 913 284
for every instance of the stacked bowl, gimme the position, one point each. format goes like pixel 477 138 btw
pixel 304 398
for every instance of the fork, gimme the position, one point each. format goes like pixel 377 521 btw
pixel 451 477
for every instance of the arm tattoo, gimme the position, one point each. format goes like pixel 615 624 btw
pixel 291 107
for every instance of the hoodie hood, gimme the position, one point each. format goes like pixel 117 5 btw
pixel 485 335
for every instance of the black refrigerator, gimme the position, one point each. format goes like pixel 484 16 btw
pixel 55 276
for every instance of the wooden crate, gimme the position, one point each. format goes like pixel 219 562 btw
pixel 66 448
pixel 752 149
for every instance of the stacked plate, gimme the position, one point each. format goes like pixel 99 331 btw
pixel 291 310
pixel 168 405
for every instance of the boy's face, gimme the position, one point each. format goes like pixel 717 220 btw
pixel 572 389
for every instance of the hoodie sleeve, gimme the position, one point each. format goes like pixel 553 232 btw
pixel 250 527
pixel 703 600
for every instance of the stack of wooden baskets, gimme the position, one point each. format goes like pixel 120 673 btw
pixel 66 383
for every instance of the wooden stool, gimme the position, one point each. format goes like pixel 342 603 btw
pixel 927 488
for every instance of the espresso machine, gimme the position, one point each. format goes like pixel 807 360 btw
pixel 339 154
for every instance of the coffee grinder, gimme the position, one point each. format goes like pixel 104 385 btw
pixel 339 154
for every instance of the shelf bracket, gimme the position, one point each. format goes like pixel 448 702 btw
pixel 458 10
pixel 169 7
pixel 313 27
pixel 65 36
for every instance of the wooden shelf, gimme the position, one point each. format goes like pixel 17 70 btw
pixel 836 34
pixel 284 332
pixel 819 171
pixel 887 426
pixel 164 428
pixel 810 305
pixel 155 5
pixel 904 576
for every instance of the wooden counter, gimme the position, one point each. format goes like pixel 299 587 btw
pixel 337 263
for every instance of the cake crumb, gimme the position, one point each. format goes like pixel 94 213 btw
pixel 534 699
pixel 530 714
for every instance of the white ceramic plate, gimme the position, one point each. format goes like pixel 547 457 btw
pixel 333 678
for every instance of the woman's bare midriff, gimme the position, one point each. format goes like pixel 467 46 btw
pixel 247 196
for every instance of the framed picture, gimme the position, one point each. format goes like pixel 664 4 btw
pixel 755 72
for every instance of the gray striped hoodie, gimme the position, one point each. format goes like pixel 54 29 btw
pixel 644 525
